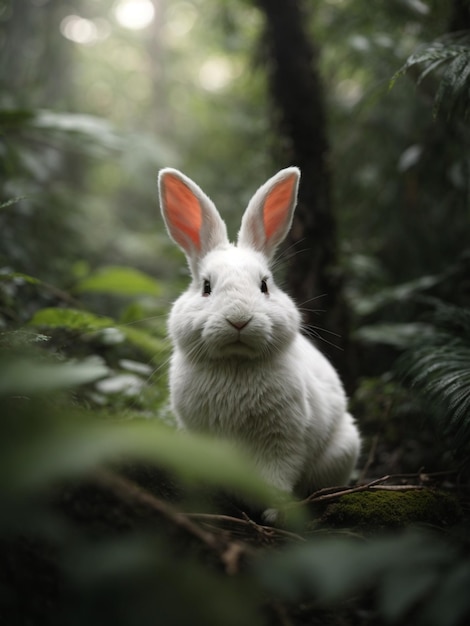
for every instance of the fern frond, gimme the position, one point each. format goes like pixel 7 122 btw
pixel 439 371
pixel 453 52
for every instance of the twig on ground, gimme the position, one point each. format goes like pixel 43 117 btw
pixel 246 522
pixel 218 539
pixel 332 493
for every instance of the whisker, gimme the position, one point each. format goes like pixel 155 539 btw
pixel 196 352
pixel 313 332
pixel 283 252
pixel 157 369
pixel 320 329
pixel 288 253
pixel 287 256
pixel 145 319
pixel 307 310
pixel 322 295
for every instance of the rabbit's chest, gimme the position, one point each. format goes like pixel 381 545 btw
pixel 230 401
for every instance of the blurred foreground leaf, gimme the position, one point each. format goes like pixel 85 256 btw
pixel 23 376
pixel 411 574
pixel 139 581
pixel 74 449
pixel 44 439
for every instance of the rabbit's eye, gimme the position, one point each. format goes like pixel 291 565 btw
pixel 264 286
pixel 206 289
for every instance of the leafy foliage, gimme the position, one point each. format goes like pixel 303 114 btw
pixel 125 577
pixel 83 354
pixel 23 377
pixel 71 443
pixel 415 578
pixel 438 368
pixel 449 56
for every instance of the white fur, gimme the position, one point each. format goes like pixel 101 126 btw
pixel 264 386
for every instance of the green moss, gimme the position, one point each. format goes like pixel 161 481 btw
pixel 393 509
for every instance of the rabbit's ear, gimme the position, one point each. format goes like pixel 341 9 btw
pixel 190 216
pixel 268 217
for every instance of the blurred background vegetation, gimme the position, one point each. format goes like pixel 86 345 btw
pixel 371 100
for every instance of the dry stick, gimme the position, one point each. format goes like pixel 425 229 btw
pixel 130 492
pixel 231 557
pixel 330 493
pixel 270 530
pixel 397 488
pixel 267 530
pixel 320 496
pixel 229 553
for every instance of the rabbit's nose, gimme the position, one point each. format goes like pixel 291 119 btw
pixel 239 324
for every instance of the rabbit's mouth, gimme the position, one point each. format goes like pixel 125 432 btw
pixel 240 338
pixel 240 347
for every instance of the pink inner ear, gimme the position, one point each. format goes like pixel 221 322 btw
pixel 277 206
pixel 183 211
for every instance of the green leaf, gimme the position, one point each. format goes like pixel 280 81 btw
pixel 19 276
pixel 334 569
pixel 24 376
pixel 398 293
pixel 76 449
pixel 404 586
pixel 85 322
pixel 72 319
pixel 450 603
pixel 396 335
pixel 453 82
pixel 452 50
pixel 431 68
pixel 437 367
pixel 123 281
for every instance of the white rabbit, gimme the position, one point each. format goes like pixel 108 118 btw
pixel 240 368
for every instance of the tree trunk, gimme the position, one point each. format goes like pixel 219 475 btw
pixel 313 276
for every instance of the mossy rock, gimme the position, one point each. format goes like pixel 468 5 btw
pixel 393 509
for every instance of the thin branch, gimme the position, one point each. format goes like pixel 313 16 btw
pixel 229 552
pixel 397 488
pixel 332 493
pixel 339 492
pixel 246 522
